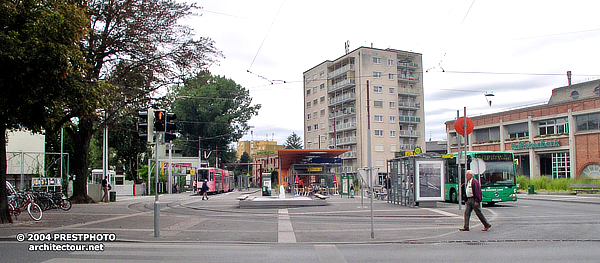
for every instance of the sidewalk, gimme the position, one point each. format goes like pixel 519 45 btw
pixel 561 197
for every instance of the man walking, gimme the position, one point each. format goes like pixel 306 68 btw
pixel 473 192
pixel 204 190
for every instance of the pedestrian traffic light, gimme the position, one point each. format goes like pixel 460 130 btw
pixel 146 125
pixel 170 127
pixel 159 120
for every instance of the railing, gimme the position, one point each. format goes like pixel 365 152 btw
pixel 407 147
pixel 339 71
pixel 409 133
pixel 410 65
pixel 344 97
pixel 343 126
pixel 408 78
pixel 408 119
pixel 339 113
pixel 406 104
pixel 407 91
pixel 348 155
pixel 341 84
pixel 341 141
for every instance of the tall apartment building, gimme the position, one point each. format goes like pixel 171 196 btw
pixel 335 105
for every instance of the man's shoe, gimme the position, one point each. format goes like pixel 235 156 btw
pixel 464 229
pixel 486 228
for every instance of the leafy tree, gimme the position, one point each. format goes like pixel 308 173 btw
pixel 40 62
pixel 245 158
pixel 293 141
pixel 135 48
pixel 212 108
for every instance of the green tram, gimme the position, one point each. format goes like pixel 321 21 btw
pixel 494 170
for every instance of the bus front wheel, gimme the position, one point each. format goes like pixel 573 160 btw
pixel 453 198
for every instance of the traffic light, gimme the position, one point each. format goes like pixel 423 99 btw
pixel 171 128
pixel 159 120
pixel 146 125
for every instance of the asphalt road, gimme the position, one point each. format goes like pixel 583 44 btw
pixel 537 228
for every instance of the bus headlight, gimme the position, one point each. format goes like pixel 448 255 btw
pixel 513 195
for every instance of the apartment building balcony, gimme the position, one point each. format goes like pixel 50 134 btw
pixel 408 92
pixel 411 65
pixel 409 119
pixel 343 127
pixel 349 169
pixel 350 96
pixel 342 141
pixel 344 112
pixel 409 105
pixel 348 155
pixel 407 147
pixel 402 78
pixel 342 84
pixel 340 71
pixel 409 133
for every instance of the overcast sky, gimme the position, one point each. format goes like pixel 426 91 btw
pixel 517 50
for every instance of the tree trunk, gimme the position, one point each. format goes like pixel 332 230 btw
pixel 4 214
pixel 79 165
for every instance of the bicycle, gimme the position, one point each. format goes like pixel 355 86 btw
pixel 20 201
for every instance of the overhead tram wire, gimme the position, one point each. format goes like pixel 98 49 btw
pixel 265 38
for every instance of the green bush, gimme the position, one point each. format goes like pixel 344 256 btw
pixel 545 183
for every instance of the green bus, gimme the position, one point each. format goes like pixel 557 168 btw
pixel 494 170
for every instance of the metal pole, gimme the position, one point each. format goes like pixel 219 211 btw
pixel 458 165
pixel 171 179
pixel 466 138
pixel 149 173
pixel 369 164
pixel 22 186
pixel 156 203
pixel 62 161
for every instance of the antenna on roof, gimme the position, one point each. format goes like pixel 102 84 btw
pixel 347 46
pixel 488 97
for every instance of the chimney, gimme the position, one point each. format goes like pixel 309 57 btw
pixel 569 77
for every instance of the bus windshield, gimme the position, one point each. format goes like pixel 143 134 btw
pixel 498 174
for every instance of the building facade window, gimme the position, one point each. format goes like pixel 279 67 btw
pixel 378 89
pixel 561 165
pixel 392 90
pixel 322 112
pixel 517 130
pixel 392 118
pixel 322 99
pixel 315 101
pixel 391 76
pixel 556 126
pixel 588 122
pixel 308 116
pixel 322 86
pixel 487 134
pixel 376 60
pixel 308 91
pixel 597 91
pixel 378 103
pixel 392 104
pixel 316 127
pixel 378 118
pixel 379 147
pixel 308 104
pixel 390 62
pixel 315 90
pixel 308 128
pixel 392 133
pixel 378 133
pixel 575 95
pixel 377 74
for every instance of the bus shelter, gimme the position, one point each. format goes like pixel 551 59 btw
pixel 416 180
pixel 303 171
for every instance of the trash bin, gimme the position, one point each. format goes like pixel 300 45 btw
pixel 112 196
pixel 531 189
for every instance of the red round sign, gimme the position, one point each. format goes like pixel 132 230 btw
pixel 458 126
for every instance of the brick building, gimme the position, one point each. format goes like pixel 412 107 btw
pixel 558 139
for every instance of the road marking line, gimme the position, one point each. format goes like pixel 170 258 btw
pixel 329 253
pixel 285 231
pixel 441 212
